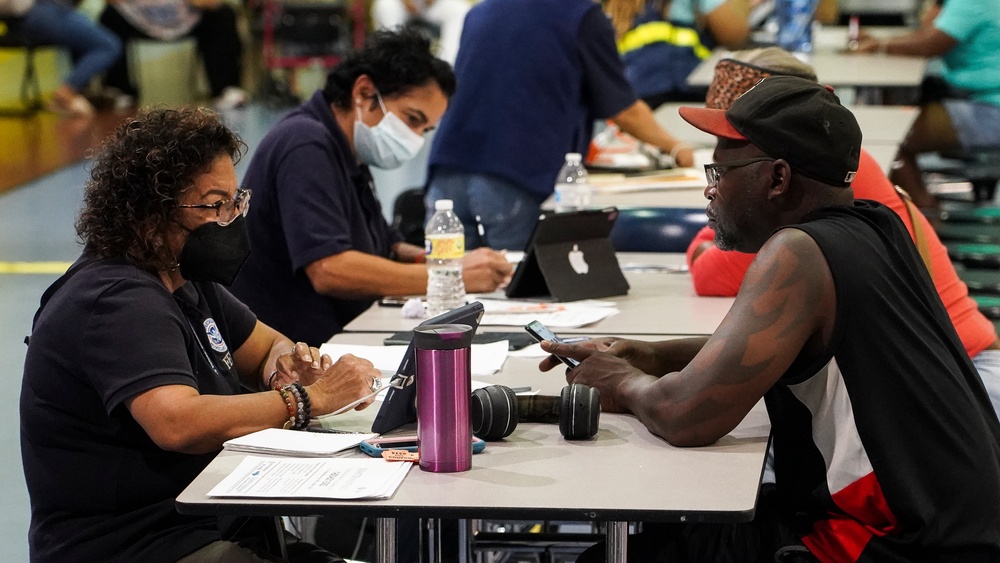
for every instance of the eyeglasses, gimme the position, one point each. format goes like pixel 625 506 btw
pixel 714 171
pixel 226 210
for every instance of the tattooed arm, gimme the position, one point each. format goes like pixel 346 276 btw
pixel 785 308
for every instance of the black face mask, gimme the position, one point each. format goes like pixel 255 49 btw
pixel 213 253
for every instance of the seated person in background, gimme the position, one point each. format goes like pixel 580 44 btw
pixel 448 15
pixel 211 22
pixel 664 40
pixel 318 233
pixel 885 445
pixel 966 115
pixel 140 364
pixel 534 75
pixel 92 47
pixel 719 272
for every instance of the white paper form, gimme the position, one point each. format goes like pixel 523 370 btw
pixel 487 359
pixel 323 478
pixel 502 312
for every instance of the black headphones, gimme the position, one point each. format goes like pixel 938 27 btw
pixel 496 410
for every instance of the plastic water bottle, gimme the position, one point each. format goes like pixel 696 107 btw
pixel 795 24
pixel 572 185
pixel 444 243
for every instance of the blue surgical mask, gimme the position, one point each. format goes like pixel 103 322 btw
pixel 387 145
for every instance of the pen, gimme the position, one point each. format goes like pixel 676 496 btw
pixel 325 430
pixel 481 230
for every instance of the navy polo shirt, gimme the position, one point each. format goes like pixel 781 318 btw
pixel 311 200
pixel 100 488
pixel 533 75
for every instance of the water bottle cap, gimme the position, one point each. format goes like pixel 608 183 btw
pixel 573 157
pixel 443 205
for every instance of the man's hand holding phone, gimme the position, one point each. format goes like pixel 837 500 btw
pixel 613 377
pixel 542 333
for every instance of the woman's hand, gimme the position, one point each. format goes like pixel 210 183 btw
pixel 346 381
pixel 303 364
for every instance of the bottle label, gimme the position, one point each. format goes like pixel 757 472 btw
pixel 445 248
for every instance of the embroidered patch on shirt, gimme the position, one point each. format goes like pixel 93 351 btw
pixel 214 336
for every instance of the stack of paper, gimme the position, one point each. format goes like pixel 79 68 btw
pixel 275 441
pixel 343 478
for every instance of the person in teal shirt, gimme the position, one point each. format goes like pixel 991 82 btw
pixel 965 112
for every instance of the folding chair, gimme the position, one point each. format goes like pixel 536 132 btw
pixel 11 37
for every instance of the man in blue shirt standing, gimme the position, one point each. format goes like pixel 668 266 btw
pixel 534 76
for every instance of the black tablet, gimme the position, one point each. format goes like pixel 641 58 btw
pixel 399 405
pixel 570 257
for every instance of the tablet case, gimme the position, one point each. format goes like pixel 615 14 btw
pixel 399 405
pixel 570 257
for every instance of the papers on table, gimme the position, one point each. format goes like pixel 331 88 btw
pixel 296 443
pixel 487 359
pixel 499 312
pixel 680 178
pixel 341 478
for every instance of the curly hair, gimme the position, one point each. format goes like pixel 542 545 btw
pixel 137 175
pixel 396 60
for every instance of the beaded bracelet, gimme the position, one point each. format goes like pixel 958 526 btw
pixel 299 406
pixel 304 411
pixel 287 397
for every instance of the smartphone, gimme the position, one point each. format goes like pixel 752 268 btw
pixel 375 446
pixel 392 301
pixel 542 332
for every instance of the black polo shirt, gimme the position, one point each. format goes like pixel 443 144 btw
pixel 100 489
pixel 311 200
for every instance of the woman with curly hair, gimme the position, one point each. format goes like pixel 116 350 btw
pixel 141 364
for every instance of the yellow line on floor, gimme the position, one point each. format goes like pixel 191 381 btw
pixel 34 267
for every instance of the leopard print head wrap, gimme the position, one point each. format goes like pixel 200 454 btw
pixel 744 69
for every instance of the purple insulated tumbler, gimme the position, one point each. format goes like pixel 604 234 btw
pixel 444 381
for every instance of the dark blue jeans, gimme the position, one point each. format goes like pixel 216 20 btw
pixel 506 211
pixel 93 48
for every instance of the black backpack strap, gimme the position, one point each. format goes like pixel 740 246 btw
pixel 56 286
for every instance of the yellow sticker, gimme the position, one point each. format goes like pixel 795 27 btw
pixel 445 247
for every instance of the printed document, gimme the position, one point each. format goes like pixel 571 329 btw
pixel 315 478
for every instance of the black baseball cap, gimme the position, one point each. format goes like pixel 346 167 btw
pixel 792 118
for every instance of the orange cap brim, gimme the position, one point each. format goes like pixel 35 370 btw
pixel 711 121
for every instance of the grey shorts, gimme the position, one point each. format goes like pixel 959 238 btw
pixel 977 124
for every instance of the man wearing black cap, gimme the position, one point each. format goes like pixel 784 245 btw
pixel 886 447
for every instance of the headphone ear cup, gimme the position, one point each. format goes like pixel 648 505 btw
pixel 494 412
pixel 580 412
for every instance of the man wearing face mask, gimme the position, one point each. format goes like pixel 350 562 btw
pixel 323 252
pixel 140 365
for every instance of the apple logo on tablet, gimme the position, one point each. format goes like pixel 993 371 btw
pixel 577 261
